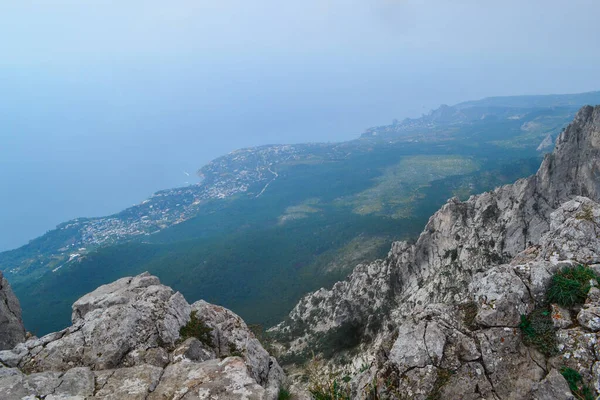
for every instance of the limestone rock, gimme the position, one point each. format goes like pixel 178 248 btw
pixel 553 387
pixel 124 344
pixel 409 350
pixel 574 232
pixel 467 383
pixel 494 255
pixel 11 324
pixel 130 383
pixel 546 144
pixel 561 318
pixel 502 296
pixel 226 379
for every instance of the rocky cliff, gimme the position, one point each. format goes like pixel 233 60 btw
pixel 440 317
pixel 11 324
pixel 138 339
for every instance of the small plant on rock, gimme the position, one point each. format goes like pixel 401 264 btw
pixel 234 351
pixel 196 328
pixel 576 385
pixel 570 286
pixel 284 394
pixel 324 386
pixel 538 331
pixel 587 214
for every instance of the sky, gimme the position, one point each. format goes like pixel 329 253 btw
pixel 103 102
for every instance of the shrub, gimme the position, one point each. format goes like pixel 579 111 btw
pixel 538 331
pixel 196 328
pixel 331 390
pixel 234 351
pixel 576 385
pixel 284 394
pixel 325 386
pixel 570 286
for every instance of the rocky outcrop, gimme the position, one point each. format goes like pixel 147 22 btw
pixel 125 343
pixel 452 301
pixel 547 144
pixel 12 330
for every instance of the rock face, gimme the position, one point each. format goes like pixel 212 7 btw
pixel 125 344
pixel 11 324
pixel 441 315
pixel 547 144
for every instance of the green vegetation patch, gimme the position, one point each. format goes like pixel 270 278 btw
pixel 196 328
pixel 284 394
pixel 570 286
pixel 578 388
pixel 538 331
pixel 396 190
pixel 332 390
pixel 345 337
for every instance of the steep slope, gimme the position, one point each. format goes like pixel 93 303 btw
pixel 11 324
pixel 138 339
pixel 448 267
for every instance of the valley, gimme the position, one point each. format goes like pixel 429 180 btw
pixel 290 218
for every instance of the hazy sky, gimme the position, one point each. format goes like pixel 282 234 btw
pixel 102 102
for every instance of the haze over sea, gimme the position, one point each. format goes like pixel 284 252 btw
pixel 137 95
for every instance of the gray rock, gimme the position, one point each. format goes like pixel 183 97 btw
pixel 131 314
pixel 130 383
pixel 228 379
pixel 418 383
pixel 124 344
pixel 502 297
pixel 12 386
pixel 553 387
pixel 409 349
pixel 194 350
pixel 589 317
pixel 43 383
pixel 232 336
pixel 12 330
pixel 561 318
pixel 573 234
pixel 546 144
pixel 76 382
pixel 510 368
pixel 467 383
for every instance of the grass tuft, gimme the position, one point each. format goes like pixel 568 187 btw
pixel 196 328
pixel 284 394
pixel 573 378
pixel 570 286
pixel 538 331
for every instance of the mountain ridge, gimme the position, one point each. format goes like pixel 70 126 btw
pixel 471 255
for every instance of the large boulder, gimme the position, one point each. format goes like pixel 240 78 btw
pixel 125 343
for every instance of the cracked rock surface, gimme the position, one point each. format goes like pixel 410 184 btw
pixel 124 344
